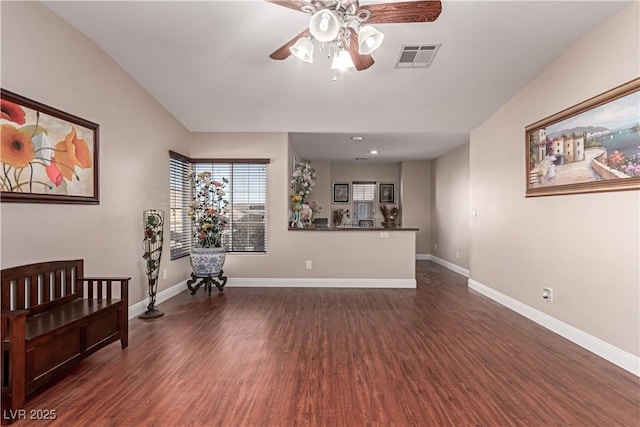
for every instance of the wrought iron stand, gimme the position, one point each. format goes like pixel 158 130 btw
pixel 208 281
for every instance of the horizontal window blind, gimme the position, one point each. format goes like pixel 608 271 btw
pixel 249 215
pixel 179 199
pixel 246 193
pixel 364 201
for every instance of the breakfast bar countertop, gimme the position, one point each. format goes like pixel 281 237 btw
pixel 354 229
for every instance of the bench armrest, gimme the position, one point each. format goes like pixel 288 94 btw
pixel 13 338
pixel 14 313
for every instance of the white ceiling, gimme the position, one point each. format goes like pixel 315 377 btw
pixel 207 62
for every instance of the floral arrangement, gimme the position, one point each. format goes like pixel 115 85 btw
pixel 208 210
pixel 338 216
pixel 296 202
pixel 303 179
pixel 316 208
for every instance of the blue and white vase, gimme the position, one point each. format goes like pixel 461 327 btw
pixel 207 262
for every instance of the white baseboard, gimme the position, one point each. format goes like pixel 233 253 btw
pixel 140 307
pixel 254 282
pixel 595 345
pixel 451 266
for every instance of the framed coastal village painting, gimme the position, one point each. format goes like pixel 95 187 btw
pixel 592 146
pixel 47 155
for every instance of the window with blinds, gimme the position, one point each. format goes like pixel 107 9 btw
pixel 364 201
pixel 179 199
pixel 246 193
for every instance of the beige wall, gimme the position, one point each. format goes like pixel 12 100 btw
pixel 415 195
pixel 376 172
pixel 321 193
pixel 46 60
pixel 333 254
pixel 586 247
pixel 450 207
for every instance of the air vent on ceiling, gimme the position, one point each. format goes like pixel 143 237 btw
pixel 417 56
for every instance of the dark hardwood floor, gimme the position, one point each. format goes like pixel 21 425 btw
pixel 440 355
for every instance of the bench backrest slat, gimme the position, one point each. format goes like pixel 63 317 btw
pixel 40 286
pixel 46 288
pixel 33 290
pixel 57 284
pixel 5 302
pixel 20 300
pixel 70 282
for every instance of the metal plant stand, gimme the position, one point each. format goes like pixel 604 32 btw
pixel 153 221
pixel 208 281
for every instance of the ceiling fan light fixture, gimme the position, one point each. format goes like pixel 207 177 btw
pixel 325 26
pixel 342 61
pixel 369 39
pixel 303 50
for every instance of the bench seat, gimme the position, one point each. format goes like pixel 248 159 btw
pixel 64 316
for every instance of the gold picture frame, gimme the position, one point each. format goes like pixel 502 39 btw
pixel 591 147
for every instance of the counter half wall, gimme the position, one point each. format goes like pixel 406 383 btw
pixel 345 258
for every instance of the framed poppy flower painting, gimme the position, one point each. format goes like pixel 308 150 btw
pixel 47 155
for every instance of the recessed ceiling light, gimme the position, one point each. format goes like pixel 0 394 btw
pixel 357 138
pixel 373 151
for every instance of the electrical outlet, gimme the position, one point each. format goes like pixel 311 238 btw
pixel 457 254
pixel 384 234
pixel 309 264
pixel 547 294
pixel 164 274
pixel 435 247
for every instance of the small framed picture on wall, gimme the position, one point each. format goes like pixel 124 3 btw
pixel 340 192
pixel 387 193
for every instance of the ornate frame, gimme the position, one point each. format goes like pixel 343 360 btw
pixel 591 147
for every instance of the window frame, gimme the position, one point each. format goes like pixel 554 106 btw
pixel 192 162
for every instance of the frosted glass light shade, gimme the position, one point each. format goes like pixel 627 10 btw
pixel 303 50
pixel 342 61
pixel 324 25
pixel 369 39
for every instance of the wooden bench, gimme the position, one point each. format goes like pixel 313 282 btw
pixel 52 317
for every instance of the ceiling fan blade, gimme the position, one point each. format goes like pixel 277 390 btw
pixel 405 11
pixel 283 52
pixel 361 62
pixel 291 4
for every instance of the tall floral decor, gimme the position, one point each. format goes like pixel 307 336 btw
pixel 302 181
pixel 152 223
pixel 208 210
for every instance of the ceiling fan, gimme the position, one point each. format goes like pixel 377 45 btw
pixel 342 27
